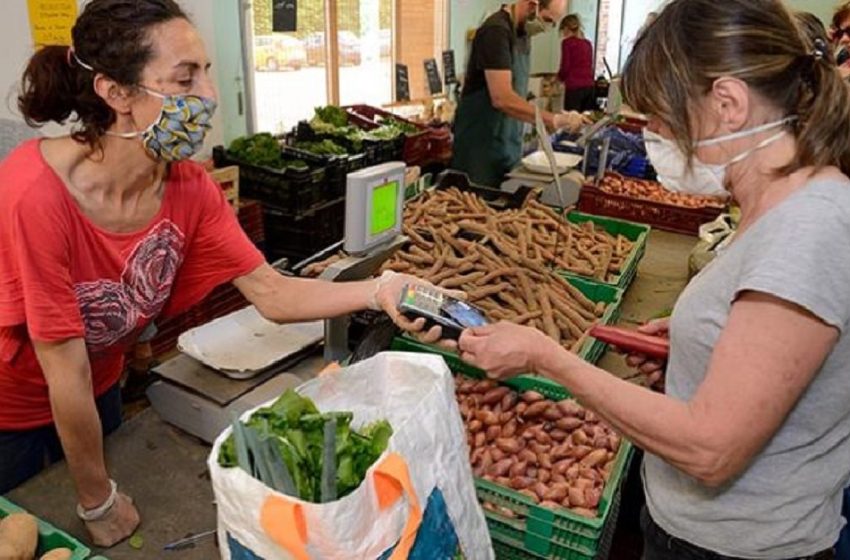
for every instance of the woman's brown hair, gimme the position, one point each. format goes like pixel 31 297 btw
pixel 111 37
pixel 694 42
pixel 842 12
pixel 573 23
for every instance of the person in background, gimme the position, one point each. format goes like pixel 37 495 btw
pixel 576 71
pixel 748 450
pixel 839 34
pixel 493 106
pixel 108 228
pixel 816 33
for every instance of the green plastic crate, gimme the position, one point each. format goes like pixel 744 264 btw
pixel 591 352
pixel 49 537
pixel 636 233
pixel 543 532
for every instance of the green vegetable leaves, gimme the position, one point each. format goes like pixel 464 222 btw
pixel 264 150
pixel 292 447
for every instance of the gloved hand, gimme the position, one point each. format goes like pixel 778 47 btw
pixel 387 295
pixel 570 121
pixel 114 525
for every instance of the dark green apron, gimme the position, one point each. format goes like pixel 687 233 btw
pixel 487 142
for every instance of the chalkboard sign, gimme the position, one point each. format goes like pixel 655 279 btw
pixel 284 16
pixel 402 83
pixel 449 67
pixel 435 84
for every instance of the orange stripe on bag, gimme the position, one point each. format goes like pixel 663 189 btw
pixel 278 517
pixel 392 480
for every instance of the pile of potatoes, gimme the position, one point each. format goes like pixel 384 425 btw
pixel 558 454
pixel 653 191
pixel 19 539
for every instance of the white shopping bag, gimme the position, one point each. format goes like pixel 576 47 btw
pixel 427 457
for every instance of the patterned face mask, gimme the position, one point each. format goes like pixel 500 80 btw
pixel 179 131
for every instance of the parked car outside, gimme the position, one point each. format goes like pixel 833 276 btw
pixel 349 49
pixel 277 52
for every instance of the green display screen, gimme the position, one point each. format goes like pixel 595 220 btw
pixel 384 204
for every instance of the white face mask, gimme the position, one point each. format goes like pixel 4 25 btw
pixel 703 179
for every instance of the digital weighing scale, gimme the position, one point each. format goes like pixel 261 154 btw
pixel 202 400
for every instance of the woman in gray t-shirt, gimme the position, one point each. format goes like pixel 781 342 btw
pixel 749 450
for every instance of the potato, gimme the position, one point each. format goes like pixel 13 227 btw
pixel 493 432
pixel 568 424
pixel 528 456
pixel 577 498
pixel 509 445
pixel 518 469
pixel 19 533
pixel 509 401
pixel 486 417
pixel 597 457
pixel 552 413
pixel 521 482
pixel 509 428
pixel 531 397
pixel 58 554
pixel 494 396
pixel 536 409
pixel 501 468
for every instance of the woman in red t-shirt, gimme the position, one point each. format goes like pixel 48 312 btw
pixel 106 229
pixel 576 72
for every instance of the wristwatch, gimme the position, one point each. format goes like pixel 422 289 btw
pixel 101 510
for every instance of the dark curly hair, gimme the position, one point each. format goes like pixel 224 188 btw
pixel 111 36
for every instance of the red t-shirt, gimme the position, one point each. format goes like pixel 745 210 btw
pixel 62 277
pixel 576 70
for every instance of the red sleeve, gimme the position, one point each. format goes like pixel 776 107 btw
pixel 41 293
pixel 217 253
pixel 565 61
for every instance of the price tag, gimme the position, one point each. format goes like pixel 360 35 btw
pixel 449 68
pixel 435 84
pixel 402 83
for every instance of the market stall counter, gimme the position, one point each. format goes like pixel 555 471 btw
pixel 165 470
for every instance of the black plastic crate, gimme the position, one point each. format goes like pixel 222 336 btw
pixel 300 236
pixel 294 190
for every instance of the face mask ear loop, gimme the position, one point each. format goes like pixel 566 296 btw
pixel 763 144
pixel 744 133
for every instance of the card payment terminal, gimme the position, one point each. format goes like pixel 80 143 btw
pixel 452 314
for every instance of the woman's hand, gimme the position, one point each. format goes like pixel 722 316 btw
pixel 387 296
pixel 117 524
pixel 570 121
pixel 653 369
pixel 504 349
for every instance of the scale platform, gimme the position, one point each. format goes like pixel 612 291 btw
pixel 202 401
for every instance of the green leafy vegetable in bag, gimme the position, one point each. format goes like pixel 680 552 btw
pixel 292 447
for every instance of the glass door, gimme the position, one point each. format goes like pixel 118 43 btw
pixel 289 71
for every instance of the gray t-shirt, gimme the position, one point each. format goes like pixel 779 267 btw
pixel 788 501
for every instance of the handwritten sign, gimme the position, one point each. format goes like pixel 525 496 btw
pixel 51 21
pixel 435 84
pixel 449 69
pixel 402 83
pixel 284 16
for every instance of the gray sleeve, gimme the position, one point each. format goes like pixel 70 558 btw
pixel 802 256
